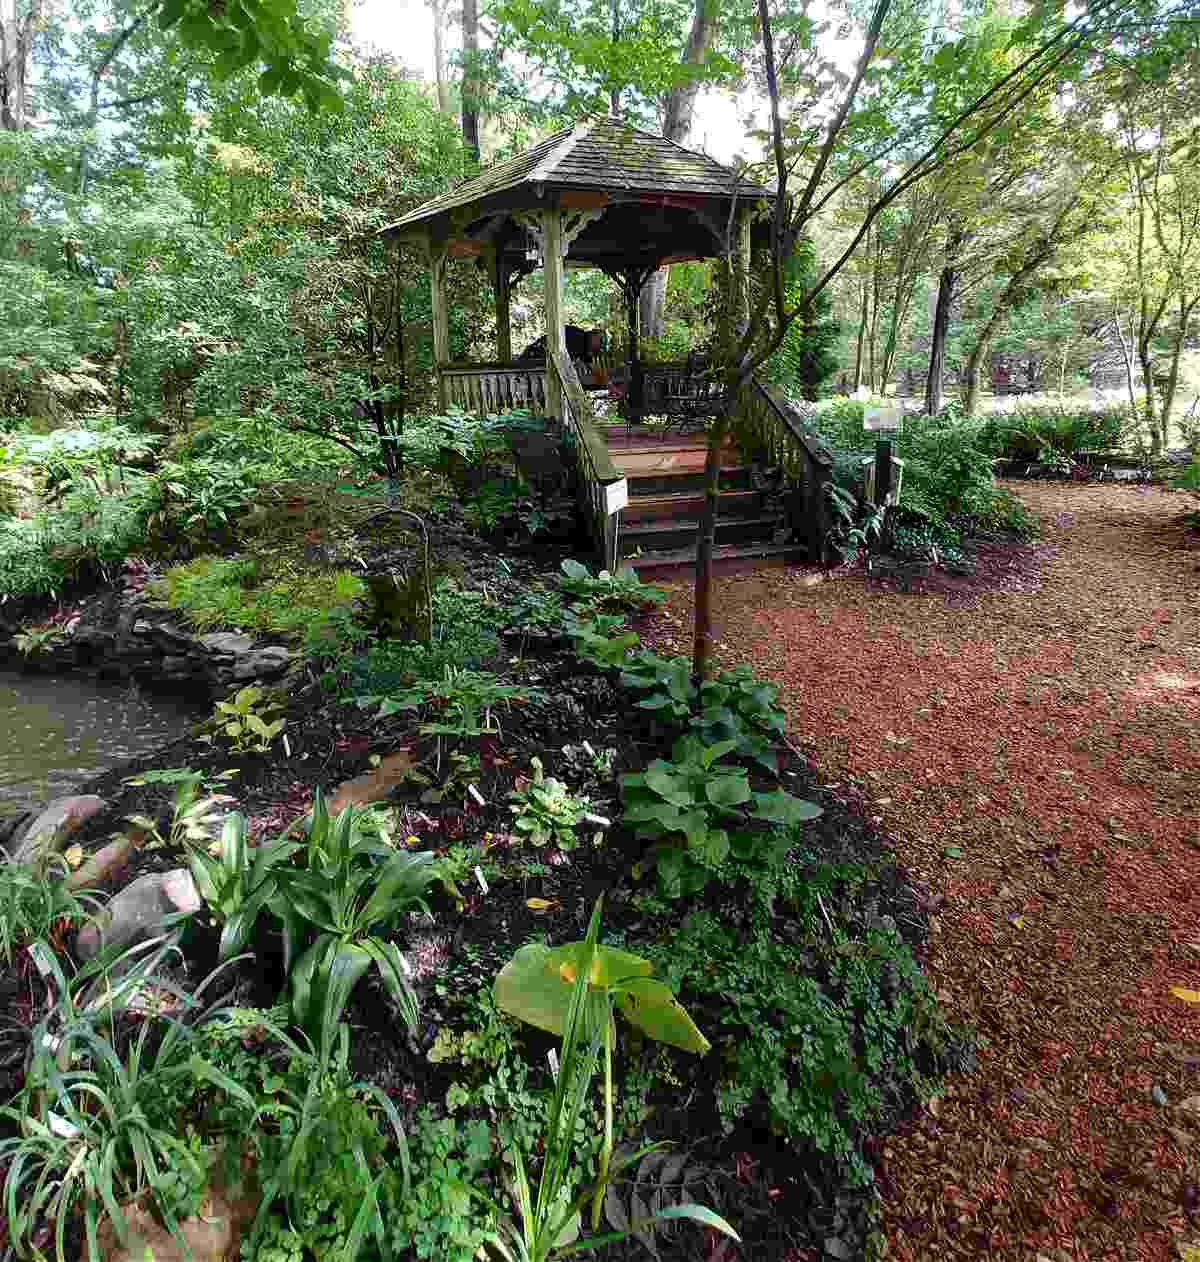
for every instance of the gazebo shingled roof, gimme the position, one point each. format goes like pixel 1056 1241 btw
pixel 601 154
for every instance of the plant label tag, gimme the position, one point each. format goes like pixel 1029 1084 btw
pixel 61 1127
pixel 616 496
pixel 587 749
pixel 287 749
pixel 40 954
pixel 552 1057
pixel 483 885
pixel 599 821
pixel 474 792
pixel 50 1043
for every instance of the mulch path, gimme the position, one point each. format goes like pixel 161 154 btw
pixel 1032 742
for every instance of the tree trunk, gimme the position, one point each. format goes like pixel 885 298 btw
pixel 677 126
pixel 16 41
pixel 470 79
pixel 937 346
pixel 860 345
pixel 1186 307
pixel 614 93
pixel 703 640
pixel 438 8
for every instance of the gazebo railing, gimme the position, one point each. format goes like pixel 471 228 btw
pixel 769 428
pixel 495 387
pixel 595 466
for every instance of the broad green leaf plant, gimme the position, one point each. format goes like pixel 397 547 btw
pixel 331 907
pixel 571 991
pixel 699 811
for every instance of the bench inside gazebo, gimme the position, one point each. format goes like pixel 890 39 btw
pixel 609 196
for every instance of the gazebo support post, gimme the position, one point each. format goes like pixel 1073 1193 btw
pixel 502 287
pixel 552 274
pixel 441 318
pixel 633 294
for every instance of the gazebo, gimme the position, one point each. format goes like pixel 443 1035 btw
pixel 602 194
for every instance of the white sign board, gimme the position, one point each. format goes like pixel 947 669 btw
pixel 616 496
pixel 881 418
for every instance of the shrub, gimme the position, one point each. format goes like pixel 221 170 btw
pixel 1046 432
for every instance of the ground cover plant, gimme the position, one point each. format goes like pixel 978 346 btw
pixel 469 1087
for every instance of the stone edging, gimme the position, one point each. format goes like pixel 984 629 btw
pixel 147 645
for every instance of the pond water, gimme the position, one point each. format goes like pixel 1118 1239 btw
pixel 57 731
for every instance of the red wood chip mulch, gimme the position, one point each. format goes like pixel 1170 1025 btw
pixel 1033 746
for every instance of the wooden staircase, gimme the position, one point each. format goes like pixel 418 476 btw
pixel 659 528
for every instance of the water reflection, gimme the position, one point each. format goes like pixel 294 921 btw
pixel 57 731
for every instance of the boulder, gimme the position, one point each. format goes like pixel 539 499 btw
pixel 374 785
pixel 14 826
pixel 212 1235
pixel 139 911
pixel 105 864
pixel 49 832
pixel 227 642
pixel 265 661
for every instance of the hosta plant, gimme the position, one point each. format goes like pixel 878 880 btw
pixel 698 811
pixel 546 810
pixel 243 719
pixel 620 592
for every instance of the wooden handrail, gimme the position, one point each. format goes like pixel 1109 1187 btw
pixel 595 464
pixel 767 425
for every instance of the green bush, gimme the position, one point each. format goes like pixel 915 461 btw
pixel 1048 433
pixel 213 591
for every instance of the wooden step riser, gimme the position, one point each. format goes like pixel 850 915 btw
pixel 651 570
pixel 646 508
pixel 660 536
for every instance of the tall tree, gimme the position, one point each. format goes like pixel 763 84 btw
pixel 679 109
pixel 470 77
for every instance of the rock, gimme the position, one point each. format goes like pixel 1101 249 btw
pixel 14 826
pixel 227 642
pixel 213 1235
pixel 139 911
pixel 103 865
pixel 50 830
pixel 266 661
pixel 1159 1096
pixel 375 785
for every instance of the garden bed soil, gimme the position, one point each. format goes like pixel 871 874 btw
pixel 786 1205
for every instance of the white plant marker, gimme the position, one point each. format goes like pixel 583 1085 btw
pixel 599 821
pixel 552 1057
pixel 474 792
pixel 483 885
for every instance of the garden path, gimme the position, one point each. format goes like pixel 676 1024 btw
pixel 1034 750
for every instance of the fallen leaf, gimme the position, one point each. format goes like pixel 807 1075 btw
pixel 74 857
pixel 1189 1252
pixel 1188 996
pixel 1017 922
pixel 952 852
pixel 541 904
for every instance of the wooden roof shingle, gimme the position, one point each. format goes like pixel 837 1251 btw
pixel 600 153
